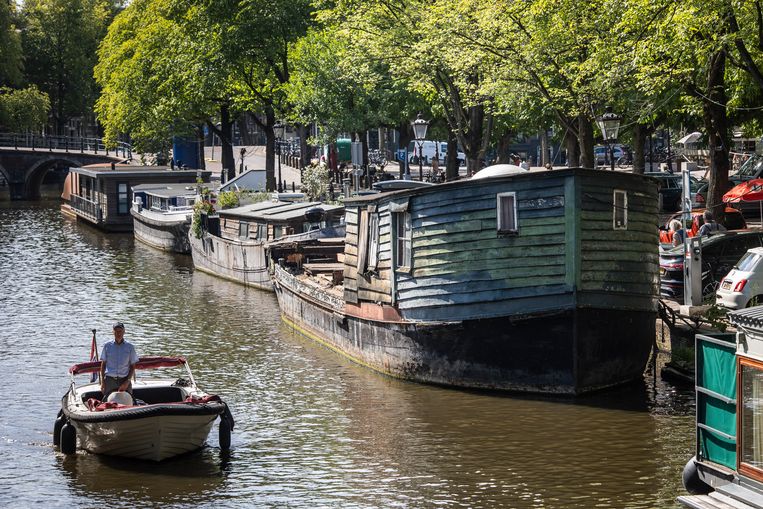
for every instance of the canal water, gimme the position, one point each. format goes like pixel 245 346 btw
pixel 312 429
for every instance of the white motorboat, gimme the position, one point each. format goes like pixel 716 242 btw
pixel 168 417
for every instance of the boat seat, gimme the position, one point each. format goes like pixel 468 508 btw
pixel 153 395
pixel 91 394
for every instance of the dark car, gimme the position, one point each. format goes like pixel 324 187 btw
pixel 719 254
pixel 670 187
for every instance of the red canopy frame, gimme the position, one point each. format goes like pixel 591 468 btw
pixel 145 362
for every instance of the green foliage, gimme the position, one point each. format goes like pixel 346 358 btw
pixel 60 42
pixel 10 46
pixel 228 199
pixel 715 316
pixel 200 206
pixel 315 181
pixel 22 110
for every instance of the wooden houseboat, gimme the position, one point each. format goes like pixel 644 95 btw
pixel 540 282
pixel 232 241
pixel 727 469
pixel 101 194
pixel 162 215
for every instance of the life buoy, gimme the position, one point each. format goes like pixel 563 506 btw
pixel 68 439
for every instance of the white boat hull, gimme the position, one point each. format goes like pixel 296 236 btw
pixel 151 438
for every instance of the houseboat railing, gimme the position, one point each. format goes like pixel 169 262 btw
pixel 43 142
pixel 87 207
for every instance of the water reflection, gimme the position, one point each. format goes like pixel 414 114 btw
pixel 111 482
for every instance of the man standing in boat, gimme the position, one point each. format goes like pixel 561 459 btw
pixel 117 363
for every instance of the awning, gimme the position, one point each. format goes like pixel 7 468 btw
pixel 690 138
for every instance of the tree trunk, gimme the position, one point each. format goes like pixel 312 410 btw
pixel 573 150
pixel 473 136
pixel 270 149
pixel 404 128
pixel 585 140
pixel 451 159
pixel 503 155
pixel 639 142
pixel 243 128
pixel 226 144
pixel 544 158
pixel 714 115
pixel 200 147
pixel 304 150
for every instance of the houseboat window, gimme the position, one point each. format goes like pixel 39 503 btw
pixel 262 232
pixel 373 241
pixel 751 419
pixel 123 203
pixel 620 211
pixel 403 238
pixel 243 230
pixel 507 213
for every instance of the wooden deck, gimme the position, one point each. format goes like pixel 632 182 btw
pixel 731 496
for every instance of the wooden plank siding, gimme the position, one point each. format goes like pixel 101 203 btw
pixel 462 268
pixel 619 262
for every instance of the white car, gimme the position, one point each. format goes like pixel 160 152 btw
pixel 743 286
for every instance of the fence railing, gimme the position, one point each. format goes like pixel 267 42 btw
pixel 44 142
pixel 87 207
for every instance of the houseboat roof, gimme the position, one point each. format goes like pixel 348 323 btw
pixel 127 170
pixel 277 211
pixel 748 318
pixel 536 175
pixel 250 180
pixel 166 190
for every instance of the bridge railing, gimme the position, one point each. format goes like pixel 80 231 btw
pixel 90 208
pixel 44 142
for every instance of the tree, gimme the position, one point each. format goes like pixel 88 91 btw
pixel 60 42
pixel 10 46
pixel 23 109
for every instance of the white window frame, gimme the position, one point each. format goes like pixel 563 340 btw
pixel 404 256
pixel 511 229
pixel 615 224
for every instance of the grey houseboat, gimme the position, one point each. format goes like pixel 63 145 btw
pixel 101 194
pixel 539 282
pixel 162 215
pixel 232 241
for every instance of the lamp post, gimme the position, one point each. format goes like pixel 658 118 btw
pixel 419 133
pixel 278 130
pixel 609 124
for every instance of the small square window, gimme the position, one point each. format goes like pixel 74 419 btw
pixel 506 211
pixel 620 211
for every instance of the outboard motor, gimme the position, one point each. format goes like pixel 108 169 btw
pixel 314 215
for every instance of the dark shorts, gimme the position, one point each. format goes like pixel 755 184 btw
pixel 112 384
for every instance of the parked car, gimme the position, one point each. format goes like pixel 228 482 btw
pixel 431 149
pixel 601 154
pixel 732 220
pixel 743 286
pixel 670 187
pixel 720 253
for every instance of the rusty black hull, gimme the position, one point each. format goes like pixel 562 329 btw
pixel 570 352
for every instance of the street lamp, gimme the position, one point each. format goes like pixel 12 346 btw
pixel 419 133
pixel 609 124
pixel 278 130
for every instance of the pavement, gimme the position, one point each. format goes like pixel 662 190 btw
pixel 254 158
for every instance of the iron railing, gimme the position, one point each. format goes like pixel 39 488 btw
pixel 43 142
pixel 87 207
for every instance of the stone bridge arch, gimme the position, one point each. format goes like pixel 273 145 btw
pixel 36 173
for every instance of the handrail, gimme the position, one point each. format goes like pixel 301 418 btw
pixel 44 142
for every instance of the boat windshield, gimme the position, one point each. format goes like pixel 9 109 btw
pixel 752 167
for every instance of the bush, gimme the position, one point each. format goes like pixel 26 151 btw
pixel 315 181
pixel 199 207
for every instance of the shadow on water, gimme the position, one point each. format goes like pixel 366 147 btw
pixel 194 476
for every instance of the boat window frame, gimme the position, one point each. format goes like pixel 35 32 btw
pixel 616 225
pixel 501 200
pixel 403 244
pixel 744 468
pixel 243 235
pixel 121 201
